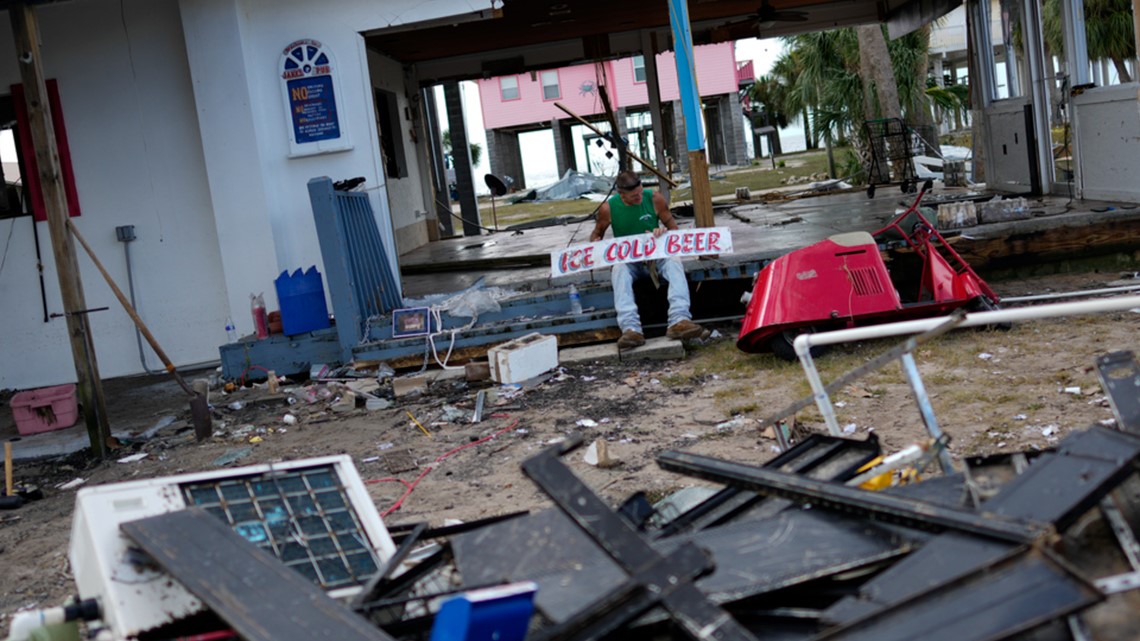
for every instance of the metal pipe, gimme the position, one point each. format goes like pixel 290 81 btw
pixel 911 370
pixel 1076 294
pixel 905 456
pixel 39 267
pixel 820 391
pixel 804 342
pixel 131 289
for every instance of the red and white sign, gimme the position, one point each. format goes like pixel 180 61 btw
pixel 703 241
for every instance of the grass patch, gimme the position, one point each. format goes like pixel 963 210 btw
pixel 746 408
pixel 724 359
pixel 762 177
pixel 757 179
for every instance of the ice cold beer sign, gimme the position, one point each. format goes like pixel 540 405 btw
pixel 633 249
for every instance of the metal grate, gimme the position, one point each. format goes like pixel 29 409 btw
pixel 302 517
pixel 866 281
pixel 376 291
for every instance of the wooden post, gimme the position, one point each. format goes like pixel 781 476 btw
pixel 653 88
pixel 26 36
pixel 702 189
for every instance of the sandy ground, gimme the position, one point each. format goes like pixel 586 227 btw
pixel 993 391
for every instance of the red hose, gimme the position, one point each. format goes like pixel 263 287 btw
pixel 408 487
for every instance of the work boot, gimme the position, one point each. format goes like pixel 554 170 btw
pixel 630 339
pixel 683 329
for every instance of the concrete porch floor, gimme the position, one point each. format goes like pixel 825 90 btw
pixel 773 229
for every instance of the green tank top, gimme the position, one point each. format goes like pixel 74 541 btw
pixel 628 220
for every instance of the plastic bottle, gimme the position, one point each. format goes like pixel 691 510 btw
pixel 231 331
pixel 575 301
pixel 260 317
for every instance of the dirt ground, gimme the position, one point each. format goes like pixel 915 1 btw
pixel 992 391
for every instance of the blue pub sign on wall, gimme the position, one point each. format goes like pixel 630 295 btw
pixel 309 83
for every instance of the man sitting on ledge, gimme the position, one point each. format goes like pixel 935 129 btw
pixel 638 210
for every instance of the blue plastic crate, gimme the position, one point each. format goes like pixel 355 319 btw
pixel 302 299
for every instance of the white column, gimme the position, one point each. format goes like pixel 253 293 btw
pixel 213 32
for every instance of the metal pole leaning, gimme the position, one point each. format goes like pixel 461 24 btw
pixel 639 159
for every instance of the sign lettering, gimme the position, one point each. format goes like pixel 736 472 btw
pixel 630 249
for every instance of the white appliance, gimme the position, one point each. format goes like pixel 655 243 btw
pixel 314 514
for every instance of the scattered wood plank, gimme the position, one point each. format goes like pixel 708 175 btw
pixel 246 587
pixel 461 355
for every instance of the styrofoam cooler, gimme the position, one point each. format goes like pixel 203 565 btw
pixel 302 299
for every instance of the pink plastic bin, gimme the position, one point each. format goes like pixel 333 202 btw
pixel 45 409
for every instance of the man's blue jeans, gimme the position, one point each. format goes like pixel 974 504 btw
pixel 622 277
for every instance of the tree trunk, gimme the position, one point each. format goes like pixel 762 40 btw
pixel 924 121
pixel 875 64
pixel 1122 70
pixel 809 139
pixel 830 155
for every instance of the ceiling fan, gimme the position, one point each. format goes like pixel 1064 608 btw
pixel 769 14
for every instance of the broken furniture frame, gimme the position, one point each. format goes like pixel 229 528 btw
pixel 817 456
pixel 1120 378
pixel 929 328
pixel 883 507
pixel 653 578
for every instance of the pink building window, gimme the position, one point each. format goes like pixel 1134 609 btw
pixel 639 68
pixel 550 88
pixel 509 88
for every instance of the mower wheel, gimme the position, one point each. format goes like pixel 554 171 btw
pixel 783 345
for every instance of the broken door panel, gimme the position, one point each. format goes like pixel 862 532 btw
pixel 1019 592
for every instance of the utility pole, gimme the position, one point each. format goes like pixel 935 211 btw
pixel 26 35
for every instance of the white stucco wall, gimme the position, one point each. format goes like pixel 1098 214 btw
pixel 264 28
pixel 405 195
pixel 137 156
pixel 177 126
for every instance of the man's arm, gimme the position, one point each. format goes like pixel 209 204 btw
pixel 663 213
pixel 602 223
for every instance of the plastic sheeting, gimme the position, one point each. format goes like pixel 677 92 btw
pixel 573 184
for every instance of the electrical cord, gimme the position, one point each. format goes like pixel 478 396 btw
pixel 410 486
pixel 461 218
pixel 594 214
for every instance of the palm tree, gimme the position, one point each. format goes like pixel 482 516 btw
pixel 787 97
pixel 910 58
pixel 768 96
pixel 951 99
pixel 848 76
pixel 826 79
pixel 1109 30
pixel 476 148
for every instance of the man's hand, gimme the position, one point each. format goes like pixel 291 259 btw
pixel 658 231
